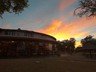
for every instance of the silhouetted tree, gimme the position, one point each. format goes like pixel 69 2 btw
pixel 68 45
pixel 86 8
pixel 16 6
pixel 89 45
pixel 88 42
pixel 72 44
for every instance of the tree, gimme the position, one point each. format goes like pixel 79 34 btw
pixel 86 8
pixel 88 42
pixel 72 44
pixel 68 45
pixel 89 46
pixel 12 6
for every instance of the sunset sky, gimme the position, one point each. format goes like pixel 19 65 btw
pixel 53 17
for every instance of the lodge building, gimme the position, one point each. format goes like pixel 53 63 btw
pixel 23 42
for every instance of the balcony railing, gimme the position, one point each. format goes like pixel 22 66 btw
pixel 28 36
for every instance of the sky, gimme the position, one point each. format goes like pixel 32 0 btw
pixel 52 17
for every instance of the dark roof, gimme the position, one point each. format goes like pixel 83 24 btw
pixel 28 32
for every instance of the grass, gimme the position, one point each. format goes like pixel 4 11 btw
pixel 46 64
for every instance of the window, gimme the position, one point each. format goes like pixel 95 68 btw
pixel 10 33
pixel 6 33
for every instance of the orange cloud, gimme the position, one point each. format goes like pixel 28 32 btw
pixel 53 27
pixel 62 30
pixel 65 3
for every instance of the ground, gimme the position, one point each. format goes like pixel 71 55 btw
pixel 47 64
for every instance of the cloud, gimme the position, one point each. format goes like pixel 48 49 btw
pixel 78 29
pixel 65 3
pixel 64 30
pixel 53 26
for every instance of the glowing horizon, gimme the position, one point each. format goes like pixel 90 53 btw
pixel 62 30
pixel 52 17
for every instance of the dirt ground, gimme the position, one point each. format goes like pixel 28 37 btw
pixel 47 64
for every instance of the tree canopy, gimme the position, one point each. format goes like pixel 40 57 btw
pixel 12 6
pixel 88 42
pixel 68 45
pixel 86 8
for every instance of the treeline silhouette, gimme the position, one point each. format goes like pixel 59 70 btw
pixel 88 48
